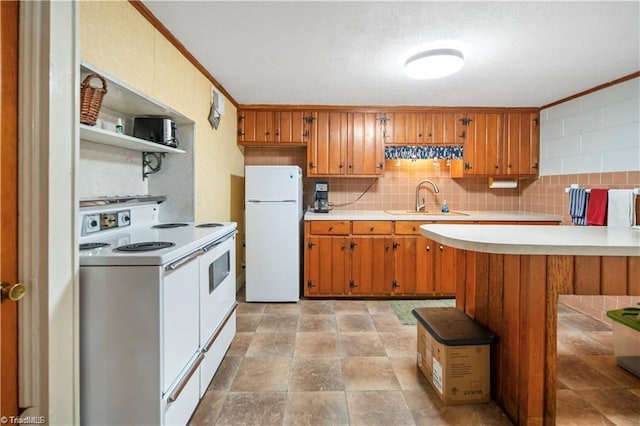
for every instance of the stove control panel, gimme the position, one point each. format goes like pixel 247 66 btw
pixel 96 222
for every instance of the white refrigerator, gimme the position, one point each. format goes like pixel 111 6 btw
pixel 273 220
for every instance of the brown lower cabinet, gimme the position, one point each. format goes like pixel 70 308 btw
pixel 351 259
pixel 369 259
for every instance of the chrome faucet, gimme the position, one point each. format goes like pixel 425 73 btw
pixel 435 189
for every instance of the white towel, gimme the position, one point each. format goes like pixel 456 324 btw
pixel 621 207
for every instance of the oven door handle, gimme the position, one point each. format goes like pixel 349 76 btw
pixel 220 241
pixel 180 387
pixel 182 261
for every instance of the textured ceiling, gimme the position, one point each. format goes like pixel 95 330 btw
pixel 351 53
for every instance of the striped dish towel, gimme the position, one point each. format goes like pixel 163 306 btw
pixel 578 200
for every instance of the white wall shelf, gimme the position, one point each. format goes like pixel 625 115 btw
pixel 106 137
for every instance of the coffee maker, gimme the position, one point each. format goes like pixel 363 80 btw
pixel 321 197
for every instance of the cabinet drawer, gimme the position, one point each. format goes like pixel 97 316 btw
pixel 330 227
pixel 374 227
pixel 409 227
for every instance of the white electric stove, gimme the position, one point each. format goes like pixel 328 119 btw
pixel 157 307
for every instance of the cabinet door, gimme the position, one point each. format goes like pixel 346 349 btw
pixel 403 128
pixel 426 128
pixel 327 151
pixel 368 266
pixel 294 127
pixel 246 126
pixel 326 266
pixel 482 147
pixel 365 148
pixel 256 126
pixel 444 128
pixel 521 144
pixel 447 269
pixel 404 265
pixel 425 263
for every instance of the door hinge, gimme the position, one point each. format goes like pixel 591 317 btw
pixel 352 284
pixel 467 166
pixel 465 121
pixel 395 245
pixel 311 165
pixel 352 245
pixel 310 245
pixel 395 284
pixel 309 119
pixel 536 166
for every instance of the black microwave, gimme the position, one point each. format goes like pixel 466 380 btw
pixel 160 130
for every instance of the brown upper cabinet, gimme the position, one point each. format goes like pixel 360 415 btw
pixel 500 145
pixel 418 128
pixel 347 144
pixel 275 128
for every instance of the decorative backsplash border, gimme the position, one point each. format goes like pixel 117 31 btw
pixel 422 152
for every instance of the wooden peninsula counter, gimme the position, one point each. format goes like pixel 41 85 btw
pixel 512 278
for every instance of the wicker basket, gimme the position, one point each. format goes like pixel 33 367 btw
pixel 91 99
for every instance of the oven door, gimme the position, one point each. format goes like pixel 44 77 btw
pixel 217 305
pixel 217 285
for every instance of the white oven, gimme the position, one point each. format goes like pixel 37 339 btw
pixel 157 313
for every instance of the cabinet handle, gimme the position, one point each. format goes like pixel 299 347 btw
pixel 497 167
pixel 428 248
pixel 463 134
pixel 330 229
pixel 419 135
pixel 380 165
pixel 371 229
pixel 266 133
pixel 509 166
pixel 305 134
pixel 351 166
pixel 441 248
pixel 341 166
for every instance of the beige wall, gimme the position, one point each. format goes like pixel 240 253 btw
pixel 117 39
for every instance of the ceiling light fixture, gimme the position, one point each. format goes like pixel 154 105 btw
pixel 434 63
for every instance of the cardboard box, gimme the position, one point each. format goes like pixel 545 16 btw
pixel 459 368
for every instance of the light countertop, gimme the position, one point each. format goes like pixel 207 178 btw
pixel 538 239
pixel 436 216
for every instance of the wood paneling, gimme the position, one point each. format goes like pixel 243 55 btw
pixel 614 275
pixel 516 297
pixel 587 275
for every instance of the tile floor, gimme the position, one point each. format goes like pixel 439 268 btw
pixel 325 362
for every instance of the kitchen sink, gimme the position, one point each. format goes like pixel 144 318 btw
pixel 427 213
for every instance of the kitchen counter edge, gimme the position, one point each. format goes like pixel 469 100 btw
pixel 538 239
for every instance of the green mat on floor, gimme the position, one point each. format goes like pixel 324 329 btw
pixel 402 308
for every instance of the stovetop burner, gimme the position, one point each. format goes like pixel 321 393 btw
pixel 146 246
pixel 169 225
pixel 90 246
pixel 209 225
